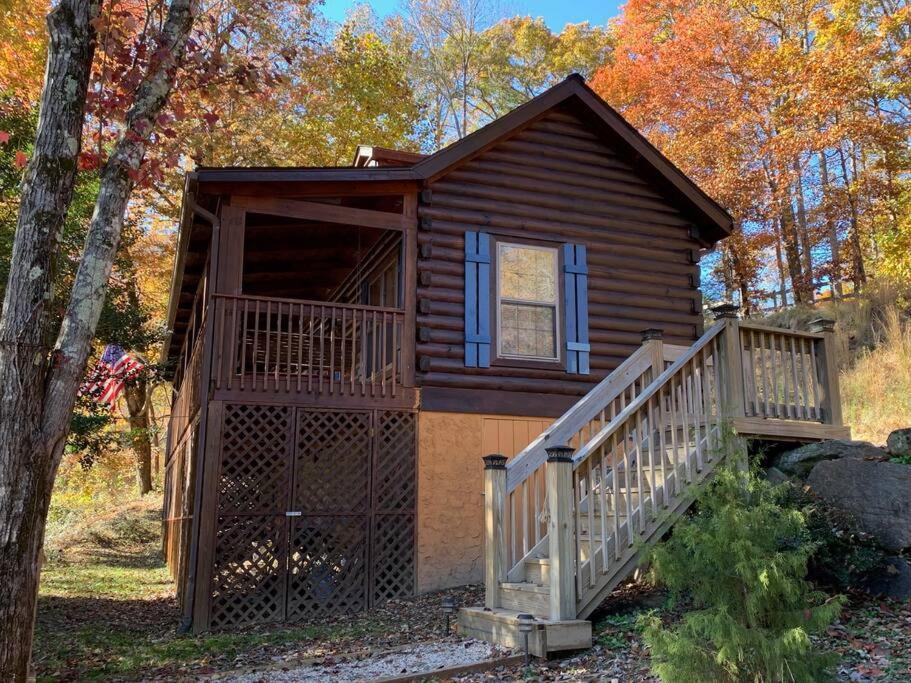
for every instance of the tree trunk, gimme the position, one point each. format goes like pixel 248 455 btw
pixel 38 392
pixel 136 394
pixel 804 234
pixel 799 283
pixel 27 454
pixel 858 273
pixel 831 227
pixel 779 260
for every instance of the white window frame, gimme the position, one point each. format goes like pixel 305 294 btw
pixel 555 304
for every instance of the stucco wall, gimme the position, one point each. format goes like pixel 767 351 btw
pixel 450 511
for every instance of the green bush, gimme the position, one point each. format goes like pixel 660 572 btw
pixel 740 566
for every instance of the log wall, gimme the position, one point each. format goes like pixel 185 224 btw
pixel 557 180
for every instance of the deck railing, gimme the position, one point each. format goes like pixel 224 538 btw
pixel 313 347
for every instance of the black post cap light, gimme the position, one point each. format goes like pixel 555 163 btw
pixel 560 453
pixel 725 310
pixel 822 325
pixel 494 461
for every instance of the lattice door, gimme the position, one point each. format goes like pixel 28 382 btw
pixel 328 571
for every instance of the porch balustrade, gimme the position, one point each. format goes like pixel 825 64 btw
pixel 309 347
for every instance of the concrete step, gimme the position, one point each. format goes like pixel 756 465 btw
pixel 501 627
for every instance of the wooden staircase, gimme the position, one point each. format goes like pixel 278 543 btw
pixel 568 518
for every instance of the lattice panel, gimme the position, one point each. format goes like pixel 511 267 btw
pixel 248 581
pixel 256 461
pixel 394 480
pixel 328 566
pixel 332 465
pixel 393 556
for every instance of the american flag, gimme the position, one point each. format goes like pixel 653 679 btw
pixel 106 380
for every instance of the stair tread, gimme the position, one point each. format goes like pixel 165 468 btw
pixel 525 586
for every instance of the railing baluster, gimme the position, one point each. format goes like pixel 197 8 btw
pixel 525 536
pixel 332 349
pixel 220 342
pixel 383 357
pixel 615 503
pixel 626 473
pixel 300 345
pixel 232 350
pixel 798 407
pixel 662 443
pixel 253 360
pixel 602 501
pixel 341 367
pixel 395 351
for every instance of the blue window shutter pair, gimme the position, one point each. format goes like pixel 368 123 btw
pixel 575 293
pixel 478 313
pixel 477 300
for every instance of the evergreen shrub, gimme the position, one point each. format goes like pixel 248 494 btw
pixel 739 566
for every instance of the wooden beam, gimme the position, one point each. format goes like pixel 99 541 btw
pixel 316 211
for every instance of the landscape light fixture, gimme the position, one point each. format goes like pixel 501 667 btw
pixel 448 605
pixel 525 627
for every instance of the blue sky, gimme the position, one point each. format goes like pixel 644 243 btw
pixel 556 13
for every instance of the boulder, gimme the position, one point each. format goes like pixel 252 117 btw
pixel 775 476
pixel 899 442
pixel 893 581
pixel 876 494
pixel 801 460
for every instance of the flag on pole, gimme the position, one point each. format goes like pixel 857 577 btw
pixel 105 383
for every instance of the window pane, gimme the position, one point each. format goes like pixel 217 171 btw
pixel 527 330
pixel 527 274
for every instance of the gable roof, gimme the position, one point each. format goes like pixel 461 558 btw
pixel 718 221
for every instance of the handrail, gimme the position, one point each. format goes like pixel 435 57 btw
pixel 564 428
pixel 643 398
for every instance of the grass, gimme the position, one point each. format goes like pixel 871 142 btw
pixel 107 610
pixel 876 387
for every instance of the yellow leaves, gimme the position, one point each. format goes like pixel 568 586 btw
pixel 23 41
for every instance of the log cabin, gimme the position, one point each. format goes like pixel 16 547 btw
pixel 487 363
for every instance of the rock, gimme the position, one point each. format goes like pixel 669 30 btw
pixel 875 494
pixel 899 442
pixel 893 581
pixel 775 476
pixel 801 460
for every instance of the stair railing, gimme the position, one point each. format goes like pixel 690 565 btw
pixel 641 439
pixel 525 514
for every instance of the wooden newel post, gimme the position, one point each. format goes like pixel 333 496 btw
pixel 559 479
pixel 827 371
pixel 734 401
pixel 654 339
pixel 494 535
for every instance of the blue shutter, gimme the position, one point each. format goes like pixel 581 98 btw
pixel 575 288
pixel 477 300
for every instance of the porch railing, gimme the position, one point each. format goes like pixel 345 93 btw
pixel 314 347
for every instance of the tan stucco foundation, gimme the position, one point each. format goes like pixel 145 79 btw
pixel 450 534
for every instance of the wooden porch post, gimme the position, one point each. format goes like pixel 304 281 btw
pixel 734 400
pixel 560 528
pixel 827 371
pixel 494 536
